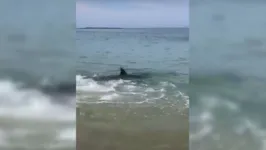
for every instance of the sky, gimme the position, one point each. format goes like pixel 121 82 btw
pixel 132 13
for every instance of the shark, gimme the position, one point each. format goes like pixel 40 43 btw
pixel 122 75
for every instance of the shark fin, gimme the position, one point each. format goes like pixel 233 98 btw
pixel 122 72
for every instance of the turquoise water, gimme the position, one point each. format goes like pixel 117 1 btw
pixel 161 53
pixel 37 75
pixel 227 77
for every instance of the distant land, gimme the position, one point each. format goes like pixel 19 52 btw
pixel 131 28
pixel 100 28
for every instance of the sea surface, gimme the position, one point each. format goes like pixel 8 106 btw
pixel 156 104
pixel 37 75
pixel 227 75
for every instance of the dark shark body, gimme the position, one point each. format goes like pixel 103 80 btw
pixel 61 88
pixel 123 75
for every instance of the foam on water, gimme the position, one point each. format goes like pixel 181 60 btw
pixel 207 129
pixel 126 91
pixel 25 113
pixel 109 97
pixel 90 85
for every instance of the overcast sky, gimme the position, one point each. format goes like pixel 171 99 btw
pixel 132 13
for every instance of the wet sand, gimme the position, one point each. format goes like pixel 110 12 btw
pixel 127 127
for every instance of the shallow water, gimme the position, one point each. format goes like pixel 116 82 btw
pixel 124 106
pixel 102 52
pixel 37 103
pixel 227 77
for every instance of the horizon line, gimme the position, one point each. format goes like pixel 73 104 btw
pixel 103 27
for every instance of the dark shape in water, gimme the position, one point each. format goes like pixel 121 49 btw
pixel 122 72
pixel 123 75
pixel 61 88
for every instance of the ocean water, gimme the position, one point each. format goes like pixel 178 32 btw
pixel 159 53
pixel 37 75
pixel 227 77
pixel 160 56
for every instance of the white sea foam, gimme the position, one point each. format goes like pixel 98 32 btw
pixel 109 97
pixel 206 127
pixel 126 91
pixel 27 112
